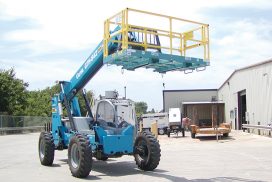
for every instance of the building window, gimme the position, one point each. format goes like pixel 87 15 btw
pixel 231 114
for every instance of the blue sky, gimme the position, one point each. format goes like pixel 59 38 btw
pixel 49 40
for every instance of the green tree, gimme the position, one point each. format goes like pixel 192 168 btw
pixel 16 100
pixel 13 93
pixel 39 101
pixel 152 111
pixel 141 108
pixel 90 97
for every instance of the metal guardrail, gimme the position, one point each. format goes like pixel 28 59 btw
pixel 7 121
pixel 21 124
pixel 249 126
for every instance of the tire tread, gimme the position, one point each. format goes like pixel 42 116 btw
pixel 85 163
pixel 155 152
pixel 49 151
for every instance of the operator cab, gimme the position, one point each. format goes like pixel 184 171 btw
pixel 113 114
pixel 105 114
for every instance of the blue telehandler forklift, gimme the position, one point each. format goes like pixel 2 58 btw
pixel 104 134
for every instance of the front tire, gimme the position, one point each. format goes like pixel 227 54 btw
pixel 168 132
pixel 80 156
pixel 225 134
pixel 161 131
pixel 183 132
pixel 46 148
pixel 147 151
pixel 193 135
pixel 102 158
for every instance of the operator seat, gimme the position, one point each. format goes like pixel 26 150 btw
pixel 83 125
pixel 110 127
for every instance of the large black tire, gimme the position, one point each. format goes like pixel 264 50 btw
pixel 183 132
pixel 80 156
pixel 147 151
pixel 102 158
pixel 225 134
pixel 168 132
pixel 46 148
pixel 193 135
pixel 161 131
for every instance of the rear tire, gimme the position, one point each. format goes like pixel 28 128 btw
pixel 168 133
pixel 46 148
pixel 193 135
pixel 161 131
pixel 80 156
pixel 102 158
pixel 147 151
pixel 225 134
pixel 183 132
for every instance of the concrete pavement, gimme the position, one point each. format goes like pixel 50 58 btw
pixel 241 157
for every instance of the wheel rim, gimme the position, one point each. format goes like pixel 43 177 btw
pixel 42 149
pixel 143 151
pixel 75 156
pixel 161 131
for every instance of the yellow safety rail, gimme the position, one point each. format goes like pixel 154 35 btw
pixel 179 42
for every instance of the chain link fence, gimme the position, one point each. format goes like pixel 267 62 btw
pixel 20 124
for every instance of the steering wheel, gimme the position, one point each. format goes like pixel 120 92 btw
pixel 123 124
pixel 120 118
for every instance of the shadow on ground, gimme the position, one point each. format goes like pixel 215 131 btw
pixel 117 169
pixel 175 136
pixel 213 138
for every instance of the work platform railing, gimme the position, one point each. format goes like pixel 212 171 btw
pixel 155 41
pixel 179 43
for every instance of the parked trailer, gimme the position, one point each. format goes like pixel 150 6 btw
pixel 207 118
pixel 223 129
pixel 161 119
pixel 175 122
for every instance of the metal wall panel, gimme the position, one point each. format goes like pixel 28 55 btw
pixel 174 98
pixel 257 82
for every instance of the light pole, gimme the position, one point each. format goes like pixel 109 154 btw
pixel 125 92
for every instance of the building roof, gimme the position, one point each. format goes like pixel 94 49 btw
pixel 235 71
pixel 155 114
pixel 205 102
pixel 245 68
pixel 190 90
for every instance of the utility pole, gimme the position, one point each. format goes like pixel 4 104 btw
pixel 125 92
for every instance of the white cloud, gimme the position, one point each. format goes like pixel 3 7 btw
pixel 246 43
pixel 41 73
pixel 76 25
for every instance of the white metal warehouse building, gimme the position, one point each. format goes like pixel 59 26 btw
pixel 246 94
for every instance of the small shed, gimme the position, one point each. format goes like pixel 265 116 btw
pixel 205 114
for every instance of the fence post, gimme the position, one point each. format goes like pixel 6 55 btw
pixel 259 131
